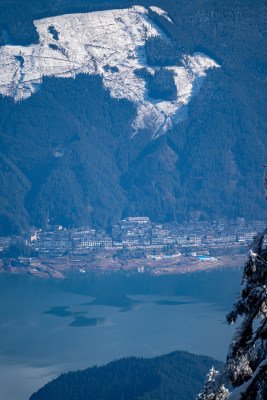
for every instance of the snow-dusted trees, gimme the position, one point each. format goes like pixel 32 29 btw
pixel 244 375
pixel 246 365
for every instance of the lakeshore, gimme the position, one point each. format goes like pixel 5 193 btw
pixel 110 261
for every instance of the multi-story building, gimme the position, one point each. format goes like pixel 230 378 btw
pixel 5 241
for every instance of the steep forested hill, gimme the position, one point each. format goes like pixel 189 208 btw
pixel 67 152
pixel 177 375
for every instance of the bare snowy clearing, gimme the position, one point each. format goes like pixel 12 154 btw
pixel 110 43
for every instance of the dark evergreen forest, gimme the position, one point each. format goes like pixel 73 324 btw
pixel 208 166
pixel 177 375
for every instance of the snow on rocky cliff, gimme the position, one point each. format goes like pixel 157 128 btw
pixel 110 43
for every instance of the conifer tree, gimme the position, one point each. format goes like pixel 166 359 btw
pixel 245 370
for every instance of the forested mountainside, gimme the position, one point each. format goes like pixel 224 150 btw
pixel 68 152
pixel 168 377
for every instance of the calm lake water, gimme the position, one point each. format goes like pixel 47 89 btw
pixel 50 326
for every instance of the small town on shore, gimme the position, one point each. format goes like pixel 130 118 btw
pixel 134 243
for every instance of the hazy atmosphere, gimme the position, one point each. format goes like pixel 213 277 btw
pixel 133 200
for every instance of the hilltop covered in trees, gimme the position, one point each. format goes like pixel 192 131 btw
pixel 172 376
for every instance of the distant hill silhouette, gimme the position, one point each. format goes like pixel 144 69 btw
pixel 178 375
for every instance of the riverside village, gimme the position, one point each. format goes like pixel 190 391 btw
pixel 134 243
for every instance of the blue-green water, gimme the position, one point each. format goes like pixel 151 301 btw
pixel 49 326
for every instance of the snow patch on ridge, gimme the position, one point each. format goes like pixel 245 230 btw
pixel 160 12
pixel 110 43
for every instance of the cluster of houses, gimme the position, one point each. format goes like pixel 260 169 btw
pixel 138 232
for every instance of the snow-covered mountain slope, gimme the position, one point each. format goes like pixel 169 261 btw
pixel 110 43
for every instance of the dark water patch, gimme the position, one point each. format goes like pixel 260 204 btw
pixel 113 301
pixel 59 311
pixel 63 312
pixel 217 286
pixel 84 321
